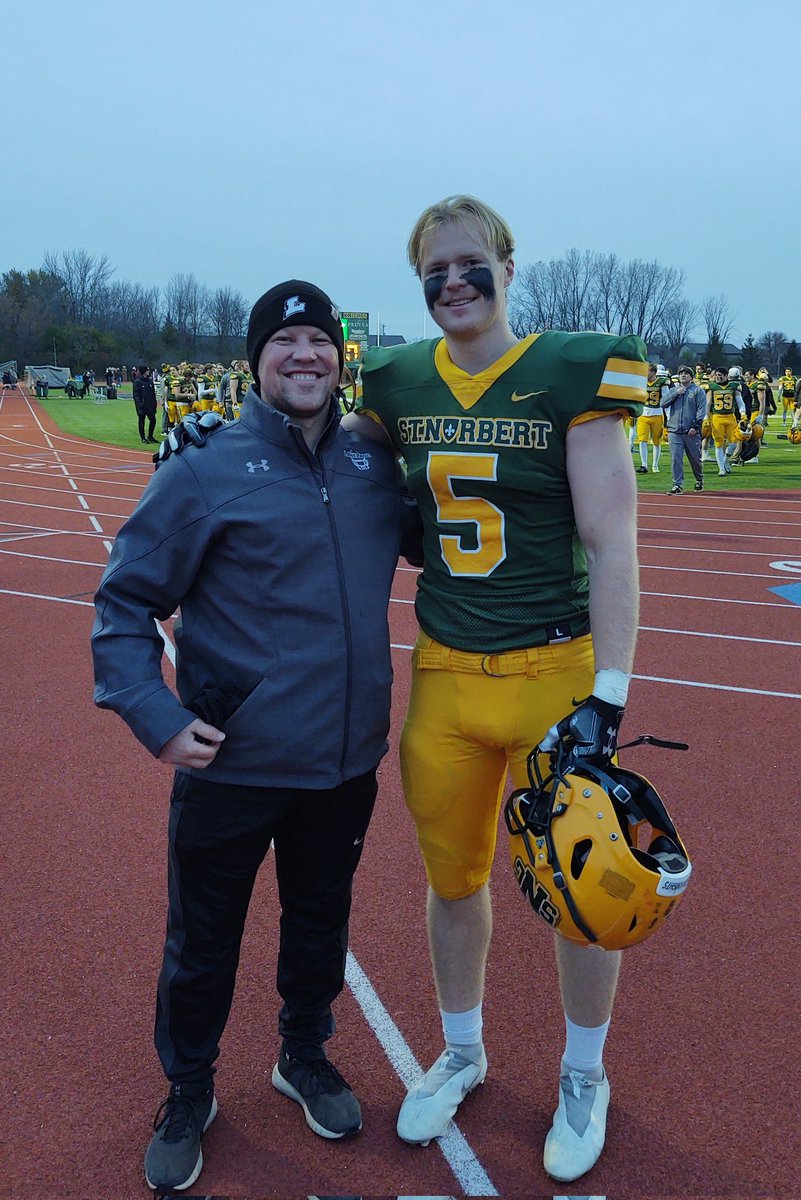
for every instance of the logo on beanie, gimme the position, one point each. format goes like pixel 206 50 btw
pixel 292 306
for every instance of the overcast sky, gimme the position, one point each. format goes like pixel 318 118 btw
pixel 250 141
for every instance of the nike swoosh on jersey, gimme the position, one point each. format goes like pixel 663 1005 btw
pixel 527 395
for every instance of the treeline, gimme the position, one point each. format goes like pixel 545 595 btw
pixel 72 310
pixel 586 290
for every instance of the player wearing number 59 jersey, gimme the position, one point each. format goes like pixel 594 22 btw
pixel 522 474
pixel 486 463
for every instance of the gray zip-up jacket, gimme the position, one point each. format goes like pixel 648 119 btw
pixel 281 561
pixel 684 412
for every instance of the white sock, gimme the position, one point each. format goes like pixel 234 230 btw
pixel 584 1047
pixel 657 455
pixel 462 1028
pixel 720 455
pixel 644 453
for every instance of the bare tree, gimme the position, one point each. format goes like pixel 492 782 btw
pixel 717 318
pixel 85 278
pixel 773 344
pixel 678 321
pixel 186 303
pixel 227 311
pixel 134 309
pixel 594 291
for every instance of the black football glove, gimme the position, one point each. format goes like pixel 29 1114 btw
pixel 589 734
pixel 192 431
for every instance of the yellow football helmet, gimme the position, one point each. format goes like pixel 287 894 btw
pixel 794 436
pixel 574 841
pixel 742 431
pixel 757 430
pixel 706 427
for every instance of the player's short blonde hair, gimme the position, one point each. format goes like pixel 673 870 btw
pixel 497 233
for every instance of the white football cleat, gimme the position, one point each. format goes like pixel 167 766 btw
pixel 576 1138
pixel 430 1106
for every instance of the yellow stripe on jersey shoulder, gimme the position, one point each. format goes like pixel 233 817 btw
pixel 624 379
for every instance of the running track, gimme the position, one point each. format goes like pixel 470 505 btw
pixel 706 1022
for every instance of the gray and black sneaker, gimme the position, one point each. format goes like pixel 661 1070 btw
pixel 174 1159
pixel 330 1107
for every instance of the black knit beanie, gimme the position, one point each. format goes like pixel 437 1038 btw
pixel 292 303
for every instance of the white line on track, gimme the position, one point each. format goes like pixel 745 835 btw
pixel 61 508
pixel 726 637
pixel 717 687
pixel 706 550
pixel 470 1174
pixel 40 489
pixel 707 571
pixel 720 600
pixel 73 562
pixel 40 531
pixel 711 533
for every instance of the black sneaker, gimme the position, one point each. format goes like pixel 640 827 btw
pixel 330 1107
pixel 641 470
pixel 699 487
pixel 174 1159
pixel 676 490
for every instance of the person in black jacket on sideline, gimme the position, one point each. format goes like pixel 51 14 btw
pixel 144 394
pixel 279 541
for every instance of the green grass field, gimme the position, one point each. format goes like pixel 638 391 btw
pixel 779 468
pixel 115 423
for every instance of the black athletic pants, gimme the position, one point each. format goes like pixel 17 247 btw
pixel 219 835
pixel 151 421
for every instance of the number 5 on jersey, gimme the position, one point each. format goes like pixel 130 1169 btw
pixel 490 549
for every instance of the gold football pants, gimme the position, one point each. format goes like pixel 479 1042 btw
pixel 471 717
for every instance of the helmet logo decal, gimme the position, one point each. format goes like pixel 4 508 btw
pixel 538 898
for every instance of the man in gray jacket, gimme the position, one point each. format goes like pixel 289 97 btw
pixel 279 547
pixel 684 407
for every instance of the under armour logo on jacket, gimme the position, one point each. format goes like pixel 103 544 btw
pixel 293 305
pixel 360 459
pixel 253 467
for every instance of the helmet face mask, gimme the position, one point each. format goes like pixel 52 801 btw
pixel 576 854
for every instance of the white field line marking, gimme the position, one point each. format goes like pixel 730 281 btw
pixel 61 508
pixel 710 533
pixel 707 571
pixel 38 487
pixel 470 1174
pixel 717 687
pixel 727 637
pixel 81 500
pixel 60 463
pixel 47 530
pixel 720 600
pixel 73 562
pixel 706 550
pixel 683 519
pixel 52 599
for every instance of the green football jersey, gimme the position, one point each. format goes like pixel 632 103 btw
pixel 723 398
pixel 504 567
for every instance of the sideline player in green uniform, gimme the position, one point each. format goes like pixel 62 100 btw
pixel 521 470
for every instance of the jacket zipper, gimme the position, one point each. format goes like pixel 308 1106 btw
pixel 319 468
